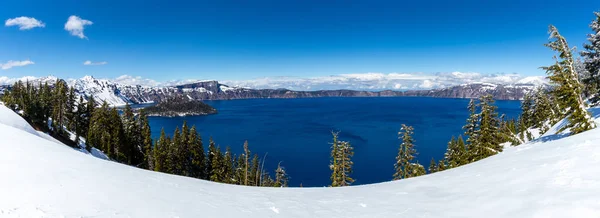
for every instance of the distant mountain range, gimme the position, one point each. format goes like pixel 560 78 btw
pixel 119 94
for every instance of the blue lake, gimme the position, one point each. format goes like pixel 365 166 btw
pixel 297 132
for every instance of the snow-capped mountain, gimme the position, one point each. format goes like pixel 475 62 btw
pixel 117 94
pixel 554 176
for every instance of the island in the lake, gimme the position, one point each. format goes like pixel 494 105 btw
pixel 178 106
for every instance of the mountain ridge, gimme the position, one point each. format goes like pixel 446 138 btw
pixel 118 94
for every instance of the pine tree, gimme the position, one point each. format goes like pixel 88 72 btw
pixel 432 166
pixel 173 160
pixel 197 151
pixel 246 155
pixel 159 153
pixel 441 166
pixel 527 111
pixel 146 137
pixel 334 165
pixel 227 166
pixel 216 165
pixel 568 90
pixel 255 173
pixel 488 138
pixel 472 126
pixel 281 177
pixel 404 167
pixel 132 141
pixel 456 153
pixel 591 56
pixel 211 156
pixel 70 112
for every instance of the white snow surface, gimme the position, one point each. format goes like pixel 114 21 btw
pixel 551 178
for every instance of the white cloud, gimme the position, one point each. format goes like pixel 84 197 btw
pixel 75 26
pixel 24 23
pixel 94 63
pixel 9 81
pixel 360 81
pixel 11 64
pixel 379 81
pixel 137 80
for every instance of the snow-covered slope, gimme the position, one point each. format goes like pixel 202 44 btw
pixel 41 178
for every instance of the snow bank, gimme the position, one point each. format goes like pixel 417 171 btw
pixel 559 178
pixel 10 118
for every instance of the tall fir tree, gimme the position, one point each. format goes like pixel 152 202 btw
pixel 281 176
pixel 159 153
pixel 568 89
pixel 404 166
pixel 488 137
pixel 472 126
pixel 432 166
pixel 198 162
pixel 591 55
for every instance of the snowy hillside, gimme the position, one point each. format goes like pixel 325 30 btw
pixel 548 178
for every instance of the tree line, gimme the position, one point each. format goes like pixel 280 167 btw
pixel 126 137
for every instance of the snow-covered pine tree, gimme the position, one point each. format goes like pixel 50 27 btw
pixel 228 176
pixel 333 165
pixel 217 160
pixel 432 166
pixel 568 90
pixel 281 176
pixel 591 56
pixel 455 153
pixel 472 126
pixel 489 138
pixel 527 111
pixel 404 167
pixel 341 162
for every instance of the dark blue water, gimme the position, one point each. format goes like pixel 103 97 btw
pixel 298 131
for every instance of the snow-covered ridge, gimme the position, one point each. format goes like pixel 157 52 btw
pixel 120 91
pixel 546 178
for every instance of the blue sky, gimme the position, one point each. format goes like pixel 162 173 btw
pixel 243 40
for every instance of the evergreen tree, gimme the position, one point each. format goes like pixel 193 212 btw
pixel 159 153
pixel 197 152
pixel 527 111
pixel 255 173
pixel 456 153
pixel 432 166
pixel 472 126
pixel 281 177
pixel 568 90
pixel 404 167
pixel 488 138
pixel 173 160
pixel 441 166
pixel 216 165
pixel 591 56
pixel 70 112
pixel 132 142
pixel 246 155
pixel 211 156
pixel 146 136
pixel 227 166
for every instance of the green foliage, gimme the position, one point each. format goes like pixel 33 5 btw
pixel 591 55
pixel 341 162
pixel 568 90
pixel 404 166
